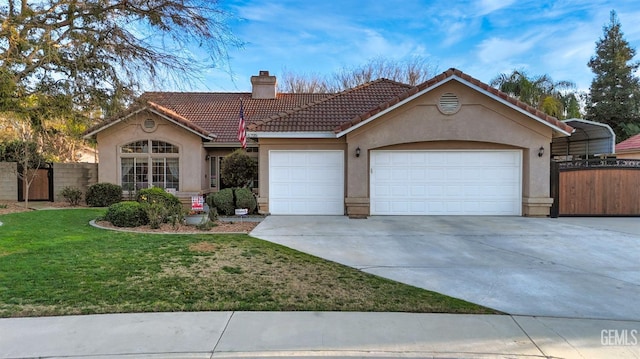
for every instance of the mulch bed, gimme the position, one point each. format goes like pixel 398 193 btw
pixel 221 226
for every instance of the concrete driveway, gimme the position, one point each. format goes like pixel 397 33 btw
pixel 567 267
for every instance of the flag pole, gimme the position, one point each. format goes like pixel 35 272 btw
pixel 242 131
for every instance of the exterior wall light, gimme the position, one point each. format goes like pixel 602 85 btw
pixel 541 151
pixel 358 151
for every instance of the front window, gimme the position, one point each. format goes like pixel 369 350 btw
pixel 213 172
pixel 141 168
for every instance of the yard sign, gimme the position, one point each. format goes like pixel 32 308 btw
pixel 197 203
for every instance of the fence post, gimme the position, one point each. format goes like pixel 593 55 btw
pixel 555 189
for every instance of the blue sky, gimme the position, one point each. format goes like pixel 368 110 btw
pixel 481 38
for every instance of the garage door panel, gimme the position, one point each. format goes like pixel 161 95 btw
pixel 306 182
pixel 446 182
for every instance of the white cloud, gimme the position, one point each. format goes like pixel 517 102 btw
pixel 497 50
pixel 485 7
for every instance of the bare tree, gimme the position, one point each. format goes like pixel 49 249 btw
pixel 25 153
pixel 82 57
pixel 303 83
pixel 413 71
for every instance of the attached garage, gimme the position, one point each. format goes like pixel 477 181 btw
pixel 473 182
pixel 306 182
pixel 452 145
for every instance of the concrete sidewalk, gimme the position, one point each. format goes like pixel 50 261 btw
pixel 316 334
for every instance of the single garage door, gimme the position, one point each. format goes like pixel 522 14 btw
pixel 306 182
pixel 446 182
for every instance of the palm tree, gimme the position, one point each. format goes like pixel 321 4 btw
pixel 541 92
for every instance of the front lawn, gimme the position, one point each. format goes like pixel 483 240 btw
pixel 54 263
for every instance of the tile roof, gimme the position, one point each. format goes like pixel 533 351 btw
pixel 214 114
pixel 217 113
pixel 443 76
pixel 630 144
pixel 332 111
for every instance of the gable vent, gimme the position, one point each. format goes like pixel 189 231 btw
pixel 449 103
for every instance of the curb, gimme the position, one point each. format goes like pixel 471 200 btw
pixel 94 224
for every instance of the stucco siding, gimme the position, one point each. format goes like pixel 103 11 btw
pixel 480 123
pixel 193 166
pixel 629 155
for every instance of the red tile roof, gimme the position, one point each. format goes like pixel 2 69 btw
pixel 333 111
pixel 214 114
pixel 630 144
pixel 217 113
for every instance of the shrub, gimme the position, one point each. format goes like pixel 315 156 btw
pixel 223 201
pixel 157 195
pixel 160 206
pixel 73 195
pixel 103 194
pixel 126 214
pixel 245 199
pixel 238 169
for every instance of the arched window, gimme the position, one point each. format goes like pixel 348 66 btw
pixel 146 163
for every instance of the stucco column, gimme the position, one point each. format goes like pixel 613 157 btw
pixel 536 200
pixel 357 181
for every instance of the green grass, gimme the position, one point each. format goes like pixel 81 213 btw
pixel 55 263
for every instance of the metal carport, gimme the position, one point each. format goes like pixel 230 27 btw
pixel 590 138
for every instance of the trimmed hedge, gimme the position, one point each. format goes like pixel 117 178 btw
pixel 127 214
pixel 227 200
pixel 103 194
pixel 245 199
pixel 223 201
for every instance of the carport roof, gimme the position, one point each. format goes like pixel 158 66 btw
pixel 589 138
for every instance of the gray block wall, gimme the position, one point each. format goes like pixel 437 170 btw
pixel 8 181
pixel 79 175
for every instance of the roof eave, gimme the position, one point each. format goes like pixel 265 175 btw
pixel 292 134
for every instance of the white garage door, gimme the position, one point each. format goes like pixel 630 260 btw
pixel 306 182
pixel 446 182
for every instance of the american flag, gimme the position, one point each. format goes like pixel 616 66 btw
pixel 242 133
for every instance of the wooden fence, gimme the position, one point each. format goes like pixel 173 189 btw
pixel 602 187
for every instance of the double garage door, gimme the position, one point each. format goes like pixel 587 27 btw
pixel 446 182
pixel 401 182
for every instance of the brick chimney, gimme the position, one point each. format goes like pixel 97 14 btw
pixel 264 86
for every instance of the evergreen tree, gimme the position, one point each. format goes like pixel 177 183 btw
pixel 615 91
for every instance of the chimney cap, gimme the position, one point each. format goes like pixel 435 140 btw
pixel 264 73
